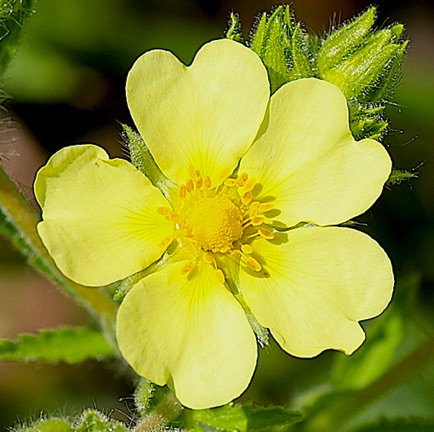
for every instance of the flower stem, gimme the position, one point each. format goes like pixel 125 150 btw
pixel 341 410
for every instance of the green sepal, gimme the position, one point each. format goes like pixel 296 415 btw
pixel 242 418
pixel 231 269
pixel 399 176
pixel 95 421
pixel 234 28
pixel 143 160
pixel 362 70
pixel 300 63
pixel 387 83
pixel 343 41
pixel 367 121
pixel 67 344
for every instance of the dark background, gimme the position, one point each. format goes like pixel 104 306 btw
pixel 67 86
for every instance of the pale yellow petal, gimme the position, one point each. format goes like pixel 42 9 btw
pixel 322 282
pixel 307 159
pixel 100 220
pixel 205 115
pixel 188 331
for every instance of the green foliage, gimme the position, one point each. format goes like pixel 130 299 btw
pixel 399 425
pixel 71 345
pixel 14 15
pixel 244 418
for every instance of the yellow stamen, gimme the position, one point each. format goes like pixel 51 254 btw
pixel 266 234
pixel 220 276
pixel 242 179
pixel 187 268
pixel 253 264
pixel 247 249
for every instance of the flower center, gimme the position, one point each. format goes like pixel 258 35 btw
pixel 214 223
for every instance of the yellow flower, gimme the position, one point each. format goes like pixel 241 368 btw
pixel 244 242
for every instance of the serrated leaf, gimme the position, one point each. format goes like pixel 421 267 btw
pixel 398 176
pixel 68 344
pixel 245 418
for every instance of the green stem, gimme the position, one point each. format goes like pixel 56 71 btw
pixel 158 419
pixel 342 410
pixel 18 221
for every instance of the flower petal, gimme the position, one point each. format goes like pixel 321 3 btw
pixel 100 220
pixel 206 115
pixel 308 160
pixel 190 332
pixel 322 282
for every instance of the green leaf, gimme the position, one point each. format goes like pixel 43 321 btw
pixel 71 345
pixel 244 418
pixel 399 425
pixel 14 15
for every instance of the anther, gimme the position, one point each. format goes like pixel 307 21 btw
pixel 247 198
pixel 266 234
pixel 208 258
pixel 242 179
pixel 220 276
pixel 247 249
pixel 265 207
pixel 182 192
pixel 253 264
pixel 198 183
pixel 207 182
pixel 257 221
pixel 164 211
pixel 187 268
pixel 250 184
pixel 189 185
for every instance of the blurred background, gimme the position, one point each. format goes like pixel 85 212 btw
pixel 66 86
